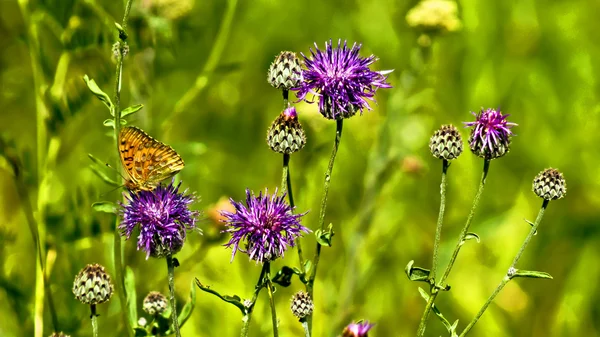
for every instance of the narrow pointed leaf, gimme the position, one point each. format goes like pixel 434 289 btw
pixel 235 300
pixel 132 109
pixel 105 206
pixel 531 224
pixel 437 312
pixel 95 89
pixel 417 274
pixel 471 236
pixel 131 296
pixel 104 177
pixel 188 308
pixel 532 274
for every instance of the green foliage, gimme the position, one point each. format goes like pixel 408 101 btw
pixel 207 96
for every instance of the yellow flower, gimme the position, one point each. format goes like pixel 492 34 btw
pixel 434 15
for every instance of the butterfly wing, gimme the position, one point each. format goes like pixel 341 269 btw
pixel 146 160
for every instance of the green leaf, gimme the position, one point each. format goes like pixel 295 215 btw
pixel 532 274
pixel 96 160
pixel 139 332
pixel 95 89
pixel 104 177
pixel 188 308
pixel 470 236
pixel 131 296
pixel 417 274
pixel 105 206
pixel 450 327
pixel 132 109
pixel 531 224
pixel 111 122
pixel 324 237
pixel 284 276
pixel 307 267
pixel 235 300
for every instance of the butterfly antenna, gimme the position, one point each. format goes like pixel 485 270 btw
pixel 122 176
pixel 114 189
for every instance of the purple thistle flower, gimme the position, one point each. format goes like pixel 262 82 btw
pixel 359 329
pixel 266 224
pixel 341 78
pixel 163 217
pixel 490 133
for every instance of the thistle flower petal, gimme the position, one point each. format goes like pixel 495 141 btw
pixel 265 225
pixel 490 133
pixel 163 218
pixel 341 79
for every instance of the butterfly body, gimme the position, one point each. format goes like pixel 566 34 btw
pixel 146 160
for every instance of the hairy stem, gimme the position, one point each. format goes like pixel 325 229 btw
pixel 440 220
pixel 286 186
pixel 459 244
pixel 306 329
pixel 269 286
pixel 512 267
pixel 171 271
pixel 94 318
pixel 117 246
pixel 248 316
pixel 313 274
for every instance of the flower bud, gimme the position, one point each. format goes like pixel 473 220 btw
pixel 286 135
pixel 550 184
pixel 446 143
pixel 155 303
pixel 285 72
pixel 92 285
pixel 490 134
pixel 302 305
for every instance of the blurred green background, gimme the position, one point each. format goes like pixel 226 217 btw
pixel 199 68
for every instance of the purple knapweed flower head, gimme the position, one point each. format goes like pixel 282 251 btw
pixel 359 329
pixel 490 134
pixel 163 217
pixel 341 79
pixel 265 225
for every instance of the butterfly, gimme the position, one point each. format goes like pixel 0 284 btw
pixel 146 160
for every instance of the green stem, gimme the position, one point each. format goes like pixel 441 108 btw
pixel 511 269
pixel 42 289
pixel 306 329
pixel 248 317
pixel 286 186
pixel 117 246
pixel 459 244
pixel 438 229
pixel 211 64
pixel 271 299
pixel 465 230
pixel 171 271
pixel 286 102
pixel 313 274
pixel 94 318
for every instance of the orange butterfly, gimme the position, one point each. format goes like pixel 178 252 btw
pixel 146 160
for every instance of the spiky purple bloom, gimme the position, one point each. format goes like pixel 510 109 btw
pixel 490 133
pixel 265 224
pixel 163 217
pixel 341 78
pixel 359 329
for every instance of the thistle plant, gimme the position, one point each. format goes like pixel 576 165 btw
pixel 93 286
pixel 163 217
pixel 358 329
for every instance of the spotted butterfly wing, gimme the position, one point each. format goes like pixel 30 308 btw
pixel 146 160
